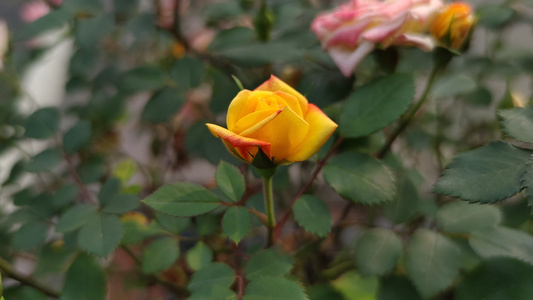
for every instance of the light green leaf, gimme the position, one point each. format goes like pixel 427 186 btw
pixel 463 217
pixel 230 181
pixel 453 85
pixel 199 256
pixel 313 215
pixel 31 235
pixel 76 217
pixel 44 161
pixel 360 178
pixel 487 175
pixel 85 280
pixel 375 105
pixel 377 252
pixel 162 106
pixel 501 241
pixel 432 261
pixel 517 123
pixel 497 279
pixel 268 262
pixel 213 274
pixel 269 288
pixel 183 199
pixel 236 223
pixel 101 234
pixel 77 137
pixel 43 123
pixel 160 254
pixel 354 287
pixel 125 169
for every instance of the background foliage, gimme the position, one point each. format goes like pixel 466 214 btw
pixel 444 214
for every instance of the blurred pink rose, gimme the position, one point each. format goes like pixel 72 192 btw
pixel 354 29
pixel 33 11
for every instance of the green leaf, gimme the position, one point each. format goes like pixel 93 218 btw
pixel 109 189
pixel 183 199
pixel 517 123
pixel 125 169
pixel 199 256
pixel 173 224
pixel 463 217
pixel 360 178
pixel 187 73
pixel 268 262
pixel 236 223
pixel 396 288
pixel 268 288
pixel 77 137
pixel 31 235
pixel 481 96
pixel 213 274
pixel 85 280
pixel 313 215
pixel 142 78
pixel 453 85
pixel 487 175
pixel 121 203
pixel 16 171
pixel 432 261
pixel 89 32
pixel 213 292
pixel 52 20
pixel 229 38
pixel 494 16
pixel 260 54
pixel 101 234
pixel 354 287
pixel 375 105
pixel 501 241
pixel 53 258
pixel 160 255
pixel 76 217
pixel 527 183
pixel 405 205
pixel 162 106
pixel 65 195
pixel 44 161
pixel 377 252
pixel 497 279
pixel 230 181
pixel 43 123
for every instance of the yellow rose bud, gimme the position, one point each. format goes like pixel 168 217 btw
pixel 276 118
pixel 453 24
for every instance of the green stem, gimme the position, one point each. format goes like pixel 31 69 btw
pixel 269 207
pixel 406 119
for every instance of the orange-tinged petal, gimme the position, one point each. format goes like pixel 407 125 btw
pixel 320 129
pixel 275 84
pixel 240 146
pixel 239 107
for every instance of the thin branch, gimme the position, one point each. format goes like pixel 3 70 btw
pixel 6 267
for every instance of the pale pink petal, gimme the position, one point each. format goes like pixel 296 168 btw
pixel 379 33
pixel 347 59
pixel 423 42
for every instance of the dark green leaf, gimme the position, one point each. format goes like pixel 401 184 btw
pixel 31 235
pixel 121 203
pixel 101 234
pixel 397 288
pixel 487 175
pixel 501 241
pixel 230 181
pixel 52 20
pixel 462 217
pixel 268 262
pixel 229 38
pixel 527 183
pixel 432 261
pixel 213 274
pixel 76 217
pixel 85 280
pixel 44 161
pixel 199 256
pixel 53 258
pixel 453 85
pixel 498 279
pixel 313 215
pixel 183 199
pixel 90 31
pixel 360 178
pixel 43 123
pixel 160 254
pixel 173 224
pixel 375 105
pixel 323 291
pixel 377 252
pixel 16 171
pixel 162 106
pixel 213 292
pixel 236 223
pixel 65 195
pixel 405 205
pixel 142 78
pixel 77 137
pixel 480 96
pixel 187 73
pixel 493 16
pixel 268 288
pixel 517 123
pixel 259 54
pixel 354 287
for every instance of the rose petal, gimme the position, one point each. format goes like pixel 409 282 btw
pixel 255 121
pixel 242 147
pixel 239 107
pixel 291 101
pixel 347 59
pixel 275 84
pixel 423 42
pixel 320 129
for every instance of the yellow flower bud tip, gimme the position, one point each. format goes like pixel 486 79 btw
pixel 134 217
pixel 276 118
pixel 453 24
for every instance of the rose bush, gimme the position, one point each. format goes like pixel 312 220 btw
pixel 356 28
pixel 452 26
pixel 276 118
